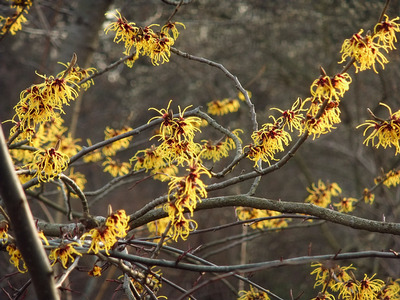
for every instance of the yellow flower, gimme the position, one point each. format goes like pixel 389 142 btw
pixel 146 41
pixel 181 227
pixel 3 231
pixel 111 149
pixel 16 258
pixel 328 273
pixel 176 135
pixel 347 289
pixel 253 294
pixel 364 50
pixel 60 90
pixel 118 223
pixel 368 196
pixel 391 290
pixel 148 159
pixel 47 164
pixel 165 173
pixel 369 288
pixel 64 253
pixel 321 195
pixel 386 131
pixel 268 141
pixel 242 97
pixel 292 118
pixel 324 296
pixel 95 272
pixel 115 167
pixel 223 107
pixel 171 26
pixel 93 156
pixel 13 23
pixel 345 205
pixel 79 74
pixel 385 32
pixel 246 213
pixel 330 87
pixel 105 236
pixel 220 149
pixel 391 179
pixel 190 188
pixel 325 123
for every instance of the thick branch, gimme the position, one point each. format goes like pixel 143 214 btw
pixel 24 228
pixel 283 207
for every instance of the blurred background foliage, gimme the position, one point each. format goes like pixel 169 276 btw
pixel 275 48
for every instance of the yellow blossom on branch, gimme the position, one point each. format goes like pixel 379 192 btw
pixel 220 149
pixel 364 50
pixel 345 205
pixel 145 40
pixel 252 294
pixel 4 231
pixel 328 273
pixel 321 193
pixel 385 32
pixel 330 87
pixel 247 213
pixel 14 23
pixel 181 227
pixel 16 258
pixel 115 167
pixel 370 288
pixel 64 253
pixel 148 159
pixel 112 148
pixel 79 74
pixel 390 179
pixel 292 118
pixel 47 164
pixel 189 189
pixel 95 271
pixel 105 236
pixel 267 141
pixel 386 132
pixel 223 107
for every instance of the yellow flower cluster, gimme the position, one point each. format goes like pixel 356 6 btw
pixel 385 133
pixel 342 281
pixel 65 252
pixel 111 149
pixel 220 149
pixel 49 163
pixel 145 40
pixel 16 258
pixel 105 236
pixel 272 137
pixel 246 213
pixel 14 23
pixel 176 148
pixel 321 193
pixel 38 123
pixel 366 50
pixel 253 294
pixel 390 179
pixel 223 107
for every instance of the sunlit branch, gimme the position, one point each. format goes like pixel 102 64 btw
pixel 283 207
